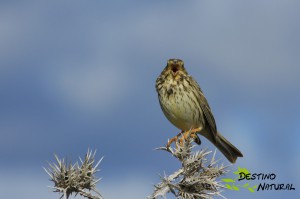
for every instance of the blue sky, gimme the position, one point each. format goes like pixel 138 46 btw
pixel 80 74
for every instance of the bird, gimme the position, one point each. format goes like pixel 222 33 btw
pixel 185 106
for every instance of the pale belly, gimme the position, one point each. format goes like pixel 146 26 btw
pixel 180 112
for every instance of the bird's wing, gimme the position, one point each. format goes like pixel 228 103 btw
pixel 208 116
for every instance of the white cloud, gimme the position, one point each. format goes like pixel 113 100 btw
pixel 16 28
pixel 253 47
pixel 246 42
pixel 94 86
pixel 249 44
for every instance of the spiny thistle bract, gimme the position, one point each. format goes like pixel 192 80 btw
pixel 197 179
pixel 77 178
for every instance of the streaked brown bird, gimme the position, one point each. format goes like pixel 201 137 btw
pixel 185 106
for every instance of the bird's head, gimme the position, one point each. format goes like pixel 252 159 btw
pixel 175 67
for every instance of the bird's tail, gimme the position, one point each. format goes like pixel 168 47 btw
pixel 228 150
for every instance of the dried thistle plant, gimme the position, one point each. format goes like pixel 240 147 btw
pixel 78 178
pixel 197 179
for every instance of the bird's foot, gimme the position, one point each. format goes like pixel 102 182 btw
pixel 190 134
pixel 185 135
pixel 174 139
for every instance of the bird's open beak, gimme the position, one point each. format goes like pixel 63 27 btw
pixel 174 69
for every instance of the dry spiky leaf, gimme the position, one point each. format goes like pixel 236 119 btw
pixel 197 179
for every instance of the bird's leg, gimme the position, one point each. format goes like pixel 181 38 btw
pixel 195 130
pixel 191 133
pixel 174 139
pixel 184 137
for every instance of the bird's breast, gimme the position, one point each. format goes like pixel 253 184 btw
pixel 181 107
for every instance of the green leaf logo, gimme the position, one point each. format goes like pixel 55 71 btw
pixel 235 187
pixel 243 170
pixel 228 186
pixel 228 180
pixel 250 189
pixel 231 183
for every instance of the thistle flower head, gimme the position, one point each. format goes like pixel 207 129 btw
pixel 75 178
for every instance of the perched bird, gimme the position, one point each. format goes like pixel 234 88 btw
pixel 185 106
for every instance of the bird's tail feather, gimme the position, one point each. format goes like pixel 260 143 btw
pixel 228 150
